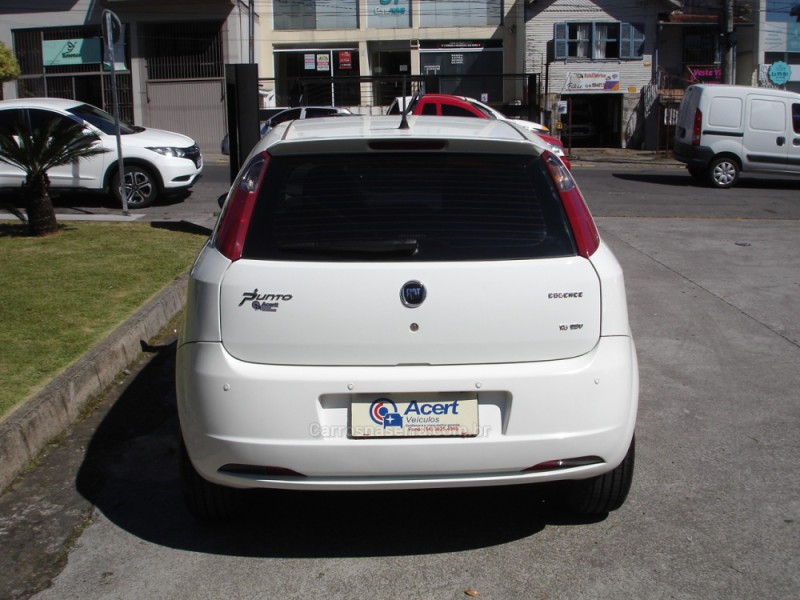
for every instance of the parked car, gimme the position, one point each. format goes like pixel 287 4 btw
pixel 383 308
pixel 290 114
pixel 156 162
pixel 446 105
pixel 723 130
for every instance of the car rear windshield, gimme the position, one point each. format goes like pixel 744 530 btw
pixel 407 207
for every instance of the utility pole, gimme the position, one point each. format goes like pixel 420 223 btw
pixel 251 18
pixel 112 30
pixel 729 43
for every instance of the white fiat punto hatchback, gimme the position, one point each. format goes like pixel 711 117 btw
pixel 390 304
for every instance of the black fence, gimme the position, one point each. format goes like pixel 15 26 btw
pixel 518 95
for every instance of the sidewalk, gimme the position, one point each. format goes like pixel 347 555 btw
pixel 28 430
pixel 621 156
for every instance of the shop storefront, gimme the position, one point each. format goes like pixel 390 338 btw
pixel 591 109
pixel 72 63
pixel 465 68
pixel 317 76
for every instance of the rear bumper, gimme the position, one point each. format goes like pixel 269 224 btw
pixel 698 157
pixel 296 418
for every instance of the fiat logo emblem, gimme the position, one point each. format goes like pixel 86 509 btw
pixel 412 294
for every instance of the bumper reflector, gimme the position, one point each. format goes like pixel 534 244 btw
pixel 565 463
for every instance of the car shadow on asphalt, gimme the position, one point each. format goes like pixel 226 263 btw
pixel 181 226
pixel 683 179
pixel 83 202
pixel 130 473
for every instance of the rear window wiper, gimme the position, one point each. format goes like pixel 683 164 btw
pixel 407 247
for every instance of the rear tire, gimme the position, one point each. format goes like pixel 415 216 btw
pixel 206 501
pixel 604 493
pixel 723 172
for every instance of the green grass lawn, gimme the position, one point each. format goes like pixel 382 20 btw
pixel 60 295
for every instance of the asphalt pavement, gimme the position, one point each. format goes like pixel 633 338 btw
pixel 712 309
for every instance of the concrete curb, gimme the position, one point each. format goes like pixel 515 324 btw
pixel 28 430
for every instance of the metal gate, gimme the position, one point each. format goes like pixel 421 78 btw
pixel 186 84
pixel 193 108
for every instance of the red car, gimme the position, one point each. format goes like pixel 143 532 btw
pixel 446 105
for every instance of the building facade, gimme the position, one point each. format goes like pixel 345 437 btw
pixel 600 58
pixel 778 45
pixel 360 50
pixel 169 58
pixel 598 72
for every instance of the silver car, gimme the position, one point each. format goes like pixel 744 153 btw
pixel 291 114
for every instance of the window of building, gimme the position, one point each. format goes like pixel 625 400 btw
pixel 598 41
pixel 321 77
pixel 465 68
pixel 701 46
pixel 291 15
pixel 460 13
pixel 191 51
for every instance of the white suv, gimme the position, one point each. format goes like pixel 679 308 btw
pixel 155 161
pixel 391 307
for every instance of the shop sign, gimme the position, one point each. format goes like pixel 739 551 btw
pixel 81 51
pixel 323 62
pixel 594 81
pixel 780 72
pixel 704 74
pixel 310 62
pixel 391 8
pixel 456 58
pixel 345 59
pixel 454 44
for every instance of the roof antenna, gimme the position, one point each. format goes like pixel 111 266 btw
pixel 406 108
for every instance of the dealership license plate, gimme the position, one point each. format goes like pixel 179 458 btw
pixel 414 415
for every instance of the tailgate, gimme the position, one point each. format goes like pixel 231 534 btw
pixel 311 313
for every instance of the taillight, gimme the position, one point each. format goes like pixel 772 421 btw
pixel 235 219
pixel 698 126
pixel 580 219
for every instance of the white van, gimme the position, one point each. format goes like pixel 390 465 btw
pixel 727 129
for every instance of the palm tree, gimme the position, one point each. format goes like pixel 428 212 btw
pixel 38 151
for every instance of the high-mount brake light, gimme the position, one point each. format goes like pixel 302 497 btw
pixel 584 230
pixel 698 127
pixel 238 210
pixel 407 145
